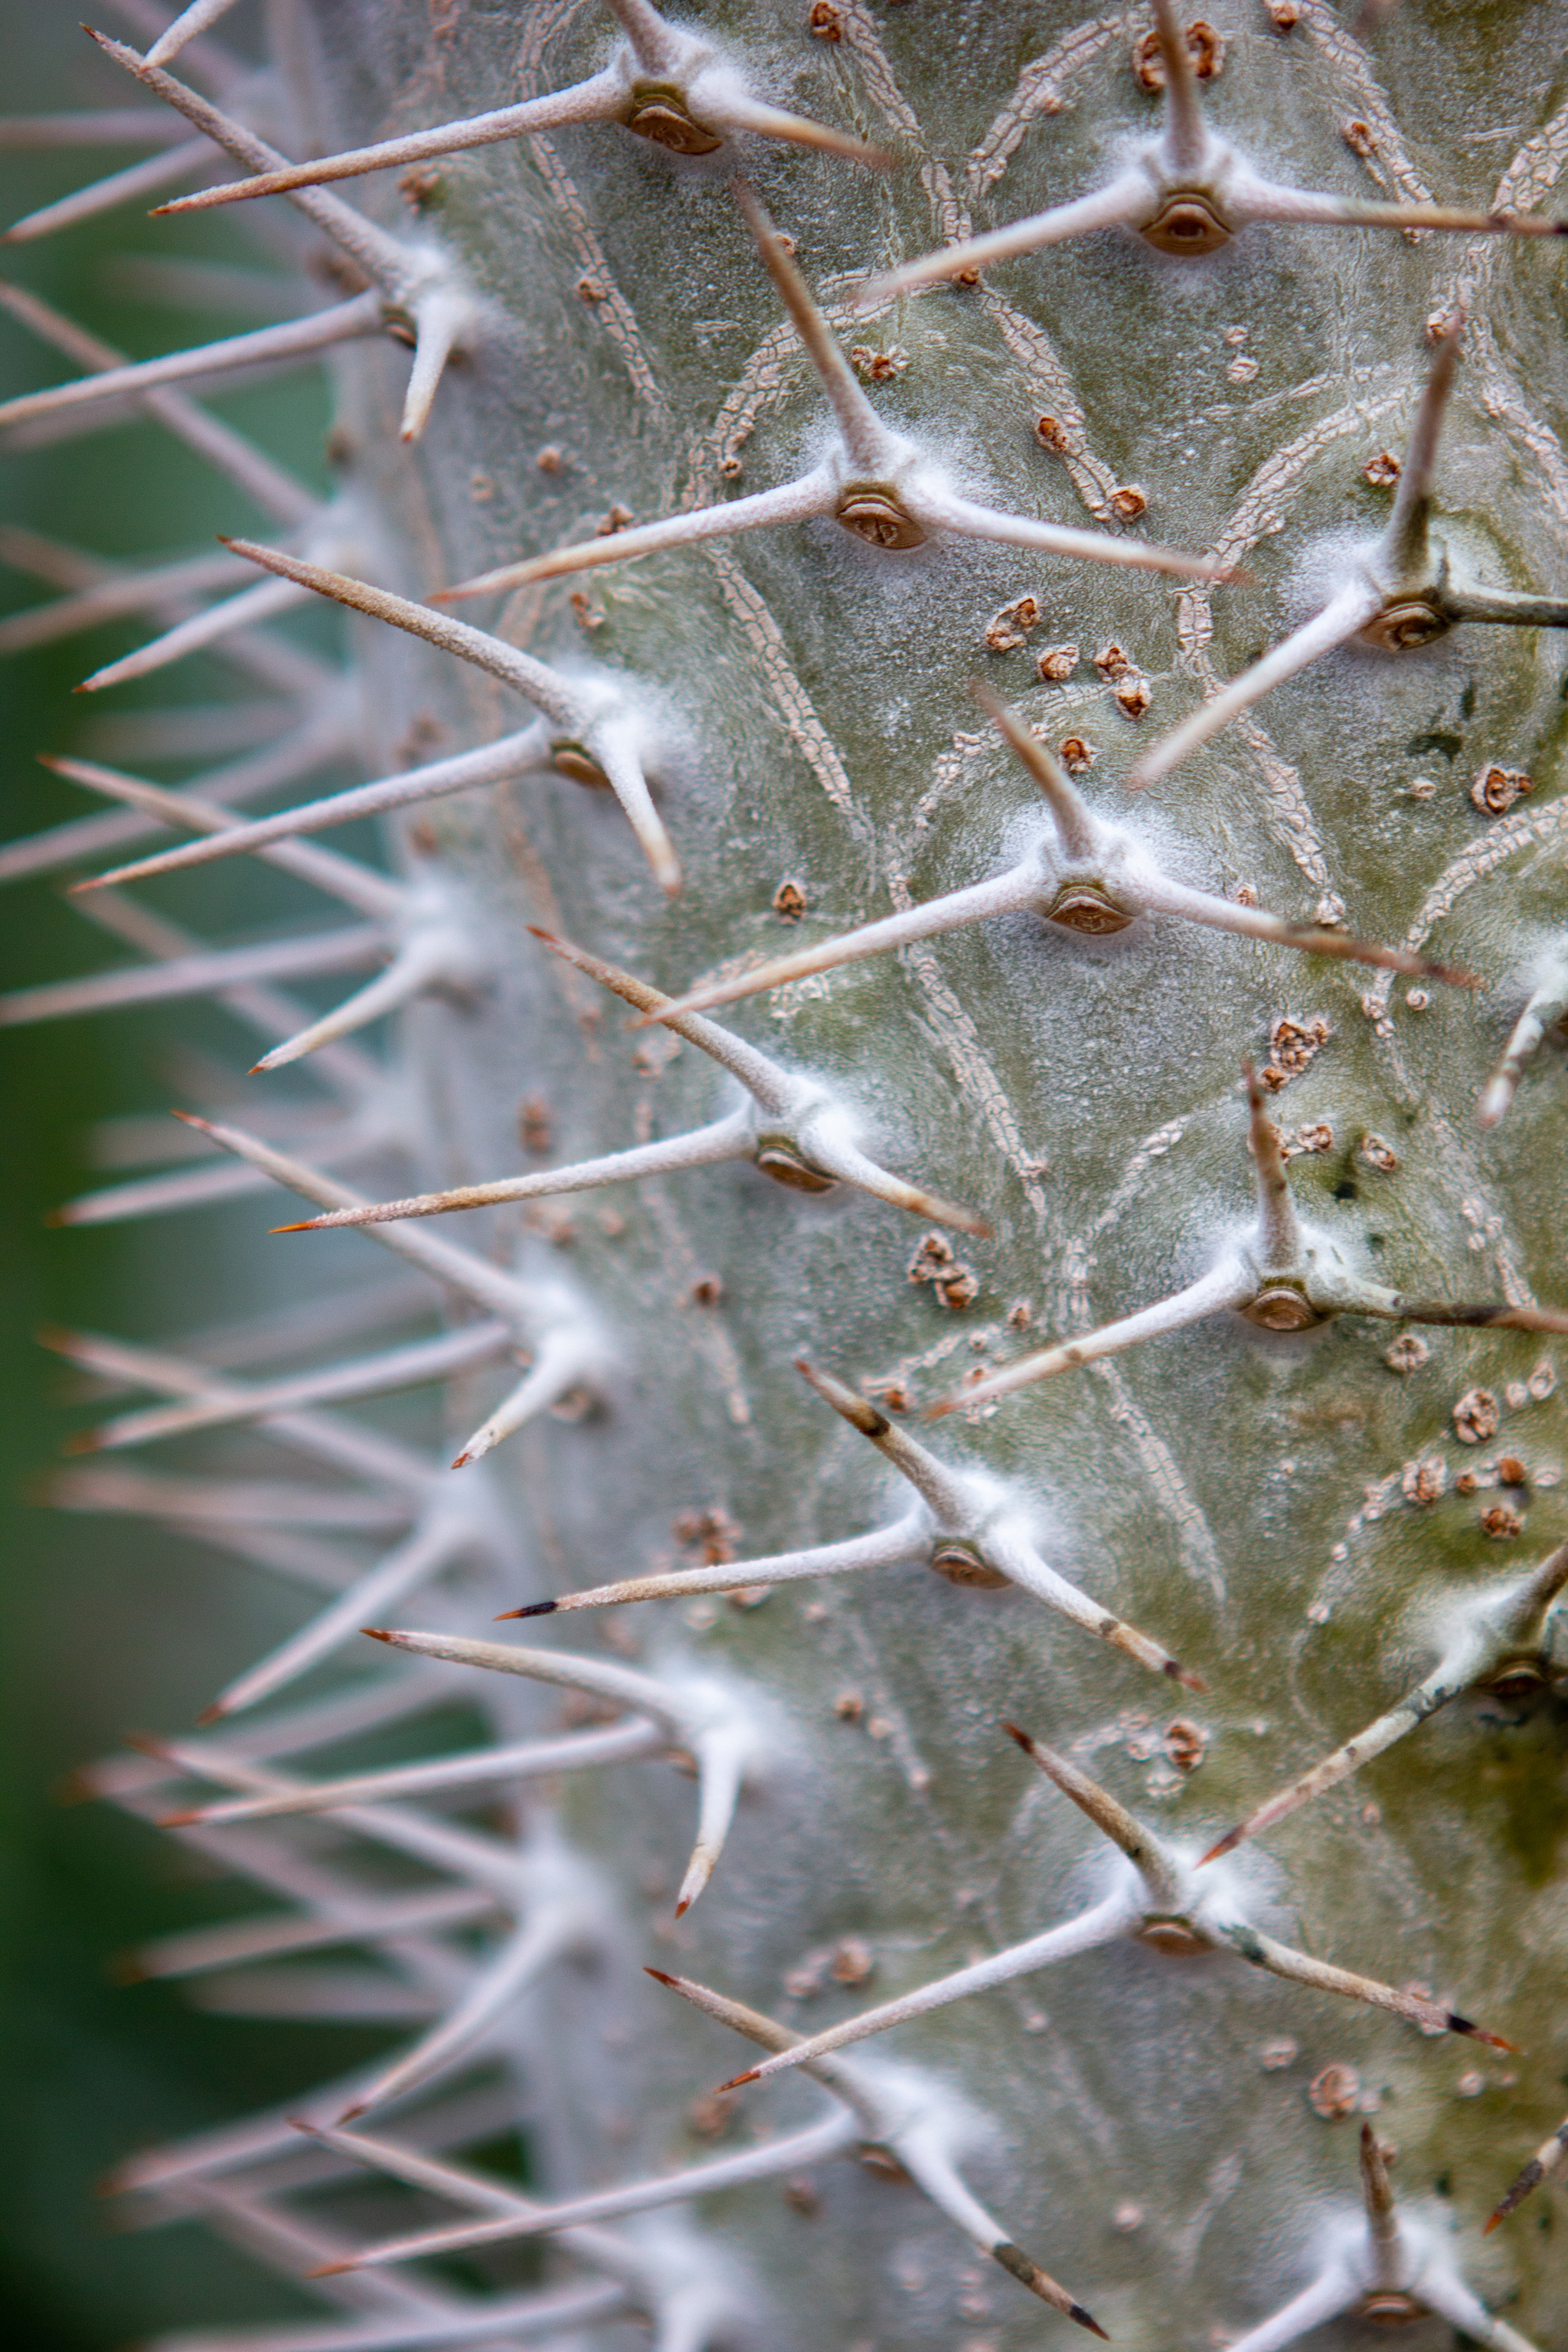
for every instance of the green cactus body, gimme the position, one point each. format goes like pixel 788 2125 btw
pixel 1323 1480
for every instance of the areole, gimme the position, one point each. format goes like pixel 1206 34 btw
pixel 1390 2307
pixel 1408 622
pixel 1282 1307
pixel 1085 906
pixel 780 1161
pixel 1188 222
pixel 1517 1681
pixel 960 1564
pixel 572 759
pixel 873 513
pixel 657 110
pixel 1177 1938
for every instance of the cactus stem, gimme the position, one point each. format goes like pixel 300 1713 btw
pixel 1280 1277
pixel 1493 1629
pixel 1164 1900
pixel 1398 599
pixel 1082 849
pixel 696 101
pixel 795 1133
pixel 957 1515
pixel 877 484
pixel 1187 196
pixel 1386 2270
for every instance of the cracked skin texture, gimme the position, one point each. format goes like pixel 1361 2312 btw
pixel 1238 1494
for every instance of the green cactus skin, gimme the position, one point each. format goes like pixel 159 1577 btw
pixel 1310 1520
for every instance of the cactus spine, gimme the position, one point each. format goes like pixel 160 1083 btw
pixel 1191 399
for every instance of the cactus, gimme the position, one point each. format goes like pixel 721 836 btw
pixel 1082 518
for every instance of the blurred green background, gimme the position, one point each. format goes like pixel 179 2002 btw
pixel 110 1625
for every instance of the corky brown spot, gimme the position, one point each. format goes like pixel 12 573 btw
pixel 878 367
pixel 534 1125
pixel 1495 789
pixel 1335 2093
pixel 1476 1416
pixel 1424 1481
pixel 1205 48
pixel 1007 630
pixel 936 1262
pixel 709 1533
pixel 1293 1047
pixel 1185 1743
pixel 1407 1353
